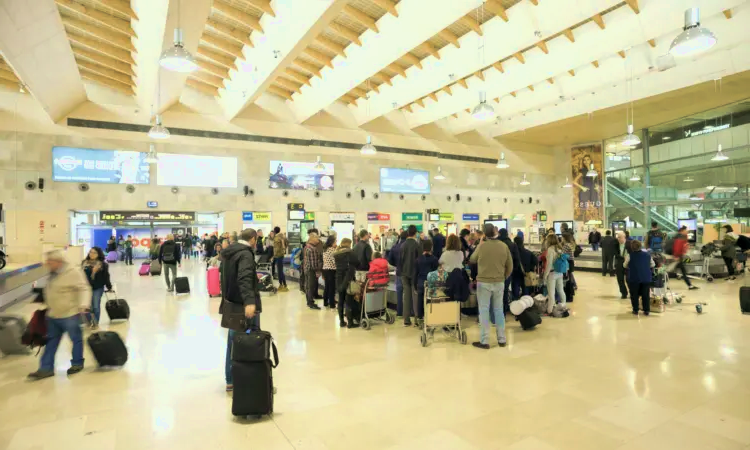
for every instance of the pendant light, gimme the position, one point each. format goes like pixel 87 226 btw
pixel 635 177
pixel 483 111
pixel 158 131
pixel 567 183
pixel 524 181
pixel 368 148
pixel 688 179
pixel 630 139
pixel 719 155
pixel 319 166
pixel 501 164
pixel 176 58
pixel 152 157
pixel 694 38
pixel 592 173
pixel 439 175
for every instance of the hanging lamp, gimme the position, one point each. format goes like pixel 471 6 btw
pixel 524 181
pixel 635 177
pixel 688 179
pixel 176 58
pixel 368 148
pixel 591 172
pixel 319 166
pixel 567 183
pixel 501 164
pixel 720 156
pixel 152 157
pixel 694 38
pixel 483 111
pixel 158 131
pixel 439 175
pixel 630 139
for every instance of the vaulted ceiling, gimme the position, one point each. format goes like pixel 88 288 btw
pixel 417 62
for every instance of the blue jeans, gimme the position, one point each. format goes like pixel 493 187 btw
pixel 279 263
pixel 555 285
pixel 595 247
pixel 252 324
pixel 96 303
pixel 55 330
pixel 490 295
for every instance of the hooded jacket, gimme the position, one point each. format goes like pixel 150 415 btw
pixel 514 253
pixel 346 266
pixel 729 246
pixel 239 280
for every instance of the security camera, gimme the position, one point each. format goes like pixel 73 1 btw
pixel 376 196
pixel 424 197
pixel 468 199
pixel 348 195
pixel 449 198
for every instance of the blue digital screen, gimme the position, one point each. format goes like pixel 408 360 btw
pixel 404 181
pixel 301 176
pixel 83 165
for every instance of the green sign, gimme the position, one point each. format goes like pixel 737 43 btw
pixel 420 227
pixel 309 215
pixel 411 217
pixel 446 217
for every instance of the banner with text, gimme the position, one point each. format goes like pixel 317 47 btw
pixel 586 171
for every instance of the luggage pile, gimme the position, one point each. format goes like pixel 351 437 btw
pixel 526 312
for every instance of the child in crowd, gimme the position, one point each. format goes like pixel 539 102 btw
pixel 378 276
pixel 426 263
pixel 639 264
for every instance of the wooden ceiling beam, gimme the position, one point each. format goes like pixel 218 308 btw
pixel 10 85
pixel 531 88
pixel 398 69
pixel 208 78
pixel 223 46
pixel 105 61
pixel 361 17
pixel 202 87
pixel 595 64
pixel 599 20
pixel 331 45
pixel 9 76
pixel 433 96
pixel 407 107
pixel 634 6
pixel 462 82
pixel 375 88
pixel 454 115
pixel 283 93
pixel 479 74
pixel 108 82
pixel 419 102
pixel 450 37
pixel 104 71
pixel 105 49
pixel 114 38
pixel 513 93
pixel 413 60
pixel 447 90
pixel 727 13
pixel 384 78
pixel 218 58
pixel 288 84
pixel 551 80
pixel 239 16
pixel 348 99
pixel 297 76
pixel 230 32
pixel 121 6
pixel 652 43
pixel 429 48
pixel 499 66
pixel 572 72
pixel 213 68
pixel 569 34
pixel 114 23
pixel 543 47
pixel 307 66
pixel 359 92
pixel 263 5
pixel 345 32
pixel 472 23
pixel 496 8
pixel 534 2
pixel 622 54
pixel 318 56
pixel 519 57
pixel 387 5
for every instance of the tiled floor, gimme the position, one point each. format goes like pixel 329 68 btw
pixel 601 379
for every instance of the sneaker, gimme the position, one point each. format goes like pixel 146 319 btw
pixel 40 375
pixel 313 306
pixel 501 344
pixel 342 323
pixel 692 288
pixel 352 325
pixel 230 387
pixel 170 290
pixel 646 313
pixel 407 323
pixel 74 370
pixel 635 313
pixel 480 345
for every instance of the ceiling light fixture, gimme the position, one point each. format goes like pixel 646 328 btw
pixel 567 183
pixel 319 166
pixel 152 157
pixel 631 139
pixel 524 181
pixel 694 39
pixel 694 197
pixel 719 155
pixel 501 164
pixel 439 175
pixel 665 138
pixel 176 58
pixel 635 177
pixel 592 173
pixel 158 131
pixel 688 179
pixel 483 111
pixel 368 148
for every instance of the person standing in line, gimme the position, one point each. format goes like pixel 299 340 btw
pixel 67 294
pixel 609 250
pixel 259 247
pixel 639 264
pixel 529 262
pixel 111 245
pixel 729 250
pixel 622 253
pixel 680 251
pixel 438 243
pixel 393 259
pixel 452 257
pixel 514 279
pixel 407 267
pixel 346 266
pixel 465 246
pixel 128 251
pixel 170 258
pixel 313 267
pixel 426 263
pixel 329 273
pixel 239 293
pixel 97 274
pixel 494 266
pixel 363 253
pixel 655 239
pixel 554 279
pixel 280 245
pixel 187 246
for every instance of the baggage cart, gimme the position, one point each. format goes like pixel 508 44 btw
pixel 441 312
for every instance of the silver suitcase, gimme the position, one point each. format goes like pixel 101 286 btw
pixel 11 330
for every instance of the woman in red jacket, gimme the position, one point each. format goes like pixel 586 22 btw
pixel 679 251
pixel 378 276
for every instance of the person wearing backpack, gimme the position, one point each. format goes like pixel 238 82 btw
pixel 655 239
pixel 67 295
pixel 170 257
pixel 554 272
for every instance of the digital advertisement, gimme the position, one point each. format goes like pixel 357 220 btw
pixel 301 176
pixel 404 181
pixel 196 171
pixel 83 165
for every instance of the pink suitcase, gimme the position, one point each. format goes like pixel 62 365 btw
pixel 112 257
pixel 144 270
pixel 212 277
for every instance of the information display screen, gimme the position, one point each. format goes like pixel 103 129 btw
pixel 558 224
pixel 692 228
pixel 404 181
pixel 196 171
pixel 500 224
pixel 300 176
pixel 84 165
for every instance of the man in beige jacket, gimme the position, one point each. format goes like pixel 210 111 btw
pixel 67 294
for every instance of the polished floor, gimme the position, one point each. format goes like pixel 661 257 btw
pixel 601 379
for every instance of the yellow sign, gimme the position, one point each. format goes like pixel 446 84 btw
pixel 262 216
pixel 446 217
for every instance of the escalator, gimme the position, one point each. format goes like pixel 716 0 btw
pixel 630 204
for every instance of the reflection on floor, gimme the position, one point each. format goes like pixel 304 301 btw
pixel 601 379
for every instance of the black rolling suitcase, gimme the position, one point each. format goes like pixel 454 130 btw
pixel 252 373
pixel 529 319
pixel 182 285
pixel 745 299
pixel 117 309
pixel 108 348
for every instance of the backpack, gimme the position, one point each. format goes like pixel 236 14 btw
pixel 657 241
pixel 578 250
pixel 35 334
pixel 669 246
pixel 561 263
pixel 297 258
pixel 168 253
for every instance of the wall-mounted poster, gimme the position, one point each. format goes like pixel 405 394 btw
pixel 301 176
pixel 196 171
pixel 404 181
pixel 586 168
pixel 84 165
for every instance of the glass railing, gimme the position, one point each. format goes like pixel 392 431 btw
pixel 665 220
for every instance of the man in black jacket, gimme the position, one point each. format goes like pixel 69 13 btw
pixel 363 251
pixel 239 289
pixel 407 267
pixel 169 257
pixel 517 275
pixel 438 242
pixel 609 250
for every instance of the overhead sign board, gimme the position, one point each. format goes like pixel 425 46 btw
pixel 412 217
pixel 471 217
pixel 378 217
pixel 146 216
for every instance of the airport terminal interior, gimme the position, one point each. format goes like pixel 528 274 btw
pixel 180 179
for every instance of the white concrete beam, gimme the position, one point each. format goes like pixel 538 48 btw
pixel 296 24
pixel 417 21
pixel 34 42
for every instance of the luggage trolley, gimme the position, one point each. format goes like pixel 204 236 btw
pixel 374 305
pixel 441 312
pixel 263 267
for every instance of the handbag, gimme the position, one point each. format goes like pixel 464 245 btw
pixel 233 316
pixel 531 279
pixel 354 288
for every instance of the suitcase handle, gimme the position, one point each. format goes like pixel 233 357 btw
pixel 275 361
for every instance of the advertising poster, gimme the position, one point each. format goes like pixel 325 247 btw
pixel 196 171
pixel 83 165
pixel 404 181
pixel 300 176
pixel 587 190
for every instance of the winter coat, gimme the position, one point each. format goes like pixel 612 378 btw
pixel 101 278
pixel 239 279
pixel 378 273
pixel 346 266
pixel 363 253
pixel 729 246
pixel 457 285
